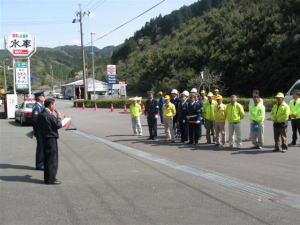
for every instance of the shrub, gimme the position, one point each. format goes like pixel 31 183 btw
pixel 119 103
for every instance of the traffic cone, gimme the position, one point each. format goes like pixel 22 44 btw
pixel 95 107
pixel 67 125
pixel 125 108
pixel 83 106
pixel 112 108
pixel 143 109
pixel 76 106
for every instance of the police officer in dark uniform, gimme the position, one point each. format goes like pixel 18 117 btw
pixel 49 125
pixel 151 111
pixel 38 107
pixel 194 119
pixel 175 100
pixel 183 107
pixel 200 103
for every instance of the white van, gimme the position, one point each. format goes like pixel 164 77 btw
pixel 289 94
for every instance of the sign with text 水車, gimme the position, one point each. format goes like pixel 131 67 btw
pixel 20 44
pixel 22 75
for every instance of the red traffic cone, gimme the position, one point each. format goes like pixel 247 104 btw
pixel 112 108
pixel 67 125
pixel 76 106
pixel 95 107
pixel 125 109
pixel 83 106
pixel 143 109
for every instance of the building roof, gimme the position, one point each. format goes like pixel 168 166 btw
pixel 80 82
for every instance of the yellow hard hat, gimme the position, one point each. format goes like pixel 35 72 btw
pixel 279 95
pixel 216 90
pixel 167 97
pixel 202 92
pixel 210 94
pixel 160 93
pixel 219 97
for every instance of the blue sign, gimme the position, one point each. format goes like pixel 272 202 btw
pixel 111 79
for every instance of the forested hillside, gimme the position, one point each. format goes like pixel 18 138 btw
pixel 251 43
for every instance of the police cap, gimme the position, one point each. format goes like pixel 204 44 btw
pixel 38 93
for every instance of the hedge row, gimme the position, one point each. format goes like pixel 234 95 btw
pixel 119 103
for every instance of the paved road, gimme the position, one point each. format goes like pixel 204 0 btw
pixel 103 185
pixel 276 171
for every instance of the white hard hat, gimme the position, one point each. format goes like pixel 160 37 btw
pixel 174 91
pixel 194 90
pixel 186 93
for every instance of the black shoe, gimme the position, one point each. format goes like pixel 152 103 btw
pixel 276 150
pixel 39 168
pixel 190 143
pixel 53 183
pixel 292 143
pixel 196 142
pixel 150 138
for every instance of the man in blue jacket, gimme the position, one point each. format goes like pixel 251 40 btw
pixel 194 119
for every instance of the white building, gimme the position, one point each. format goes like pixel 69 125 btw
pixel 75 89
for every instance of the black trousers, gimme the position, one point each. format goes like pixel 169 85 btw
pixel 194 132
pixel 296 128
pixel 51 159
pixel 184 130
pixel 152 125
pixel 39 154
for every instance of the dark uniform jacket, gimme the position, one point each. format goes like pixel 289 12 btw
pixel 183 110
pixel 151 108
pixel 175 101
pixel 161 102
pixel 194 112
pixel 36 110
pixel 49 124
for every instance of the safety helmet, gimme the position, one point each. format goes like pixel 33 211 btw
pixel 202 92
pixel 216 90
pixel 174 91
pixel 194 90
pixel 210 94
pixel 160 93
pixel 185 93
pixel 279 95
pixel 167 97
pixel 219 97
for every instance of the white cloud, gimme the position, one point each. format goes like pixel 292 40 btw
pixel 75 41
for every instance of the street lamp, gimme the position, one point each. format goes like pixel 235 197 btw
pixel 4 74
pixel 93 64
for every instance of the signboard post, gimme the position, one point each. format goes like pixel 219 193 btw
pixel 21 45
pixel 111 76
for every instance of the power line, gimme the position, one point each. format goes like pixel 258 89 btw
pixel 95 6
pixel 87 4
pixel 129 21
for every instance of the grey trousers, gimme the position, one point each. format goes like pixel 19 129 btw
pixel 235 133
pixel 136 126
pixel 210 130
pixel 220 132
pixel 257 137
pixel 280 137
pixel 169 131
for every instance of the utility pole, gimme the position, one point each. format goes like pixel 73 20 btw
pixel 4 74
pixel 79 19
pixel 52 79
pixel 93 64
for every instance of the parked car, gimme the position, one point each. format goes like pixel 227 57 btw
pixel 23 112
pixel 289 94
pixel 60 96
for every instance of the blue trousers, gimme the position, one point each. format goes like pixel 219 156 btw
pixel 39 155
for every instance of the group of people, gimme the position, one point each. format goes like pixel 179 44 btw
pixel 45 128
pixel 183 115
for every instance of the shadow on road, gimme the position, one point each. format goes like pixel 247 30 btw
pixel 18 167
pixel 25 179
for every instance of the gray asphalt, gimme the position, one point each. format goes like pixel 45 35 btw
pixel 102 185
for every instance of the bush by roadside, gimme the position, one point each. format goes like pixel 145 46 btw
pixel 119 103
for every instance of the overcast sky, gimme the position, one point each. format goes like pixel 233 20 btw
pixel 50 21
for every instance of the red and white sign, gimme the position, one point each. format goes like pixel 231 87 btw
pixel 20 44
pixel 122 82
pixel 111 70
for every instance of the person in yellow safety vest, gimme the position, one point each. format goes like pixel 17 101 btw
pixel 169 113
pixel 220 118
pixel 209 117
pixel 257 118
pixel 135 113
pixel 234 114
pixel 280 116
pixel 203 97
pixel 295 115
